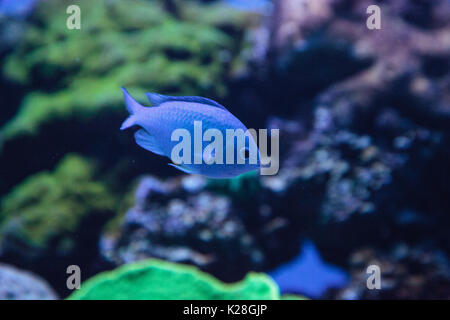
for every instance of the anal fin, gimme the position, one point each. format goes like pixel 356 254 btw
pixel 148 142
pixel 181 168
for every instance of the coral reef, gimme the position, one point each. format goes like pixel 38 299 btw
pixel 59 82
pixel 364 118
pixel 129 49
pixel 371 144
pixel 359 141
pixel 54 217
pixel 160 280
pixel 50 206
pixel 63 86
pixel 16 284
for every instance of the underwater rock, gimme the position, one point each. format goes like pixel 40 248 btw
pixel 161 280
pixel 225 227
pixel 384 116
pixel 326 50
pixel 181 221
pixel 407 272
pixel 17 284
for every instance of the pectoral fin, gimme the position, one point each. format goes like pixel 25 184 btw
pixel 148 142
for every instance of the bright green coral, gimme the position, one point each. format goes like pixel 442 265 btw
pixel 293 297
pixel 161 280
pixel 135 43
pixel 48 208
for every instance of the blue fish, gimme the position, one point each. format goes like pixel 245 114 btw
pixel 169 113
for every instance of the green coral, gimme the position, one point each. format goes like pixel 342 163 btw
pixel 293 297
pixel 161 280
pixel 135 43
pixel 47 208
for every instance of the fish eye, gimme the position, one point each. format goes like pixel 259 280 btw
pixel 245 153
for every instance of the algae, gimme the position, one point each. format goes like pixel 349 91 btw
pixel 161 280
pixel 138 44
pixel 48 208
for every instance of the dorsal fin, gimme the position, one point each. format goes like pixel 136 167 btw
pixel 156 99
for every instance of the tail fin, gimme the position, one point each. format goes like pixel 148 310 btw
pixel 132 107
